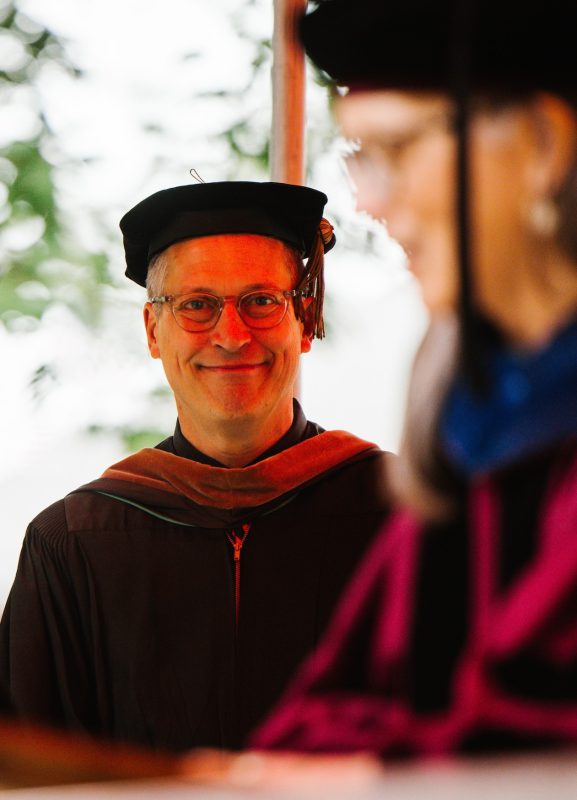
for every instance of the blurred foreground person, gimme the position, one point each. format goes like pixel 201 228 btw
pixel 169 602
pixel 459 631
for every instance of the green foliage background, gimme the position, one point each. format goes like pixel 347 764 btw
pixel 41 263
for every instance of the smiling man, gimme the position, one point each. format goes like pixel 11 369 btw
pixel 231 365
pixel 168 602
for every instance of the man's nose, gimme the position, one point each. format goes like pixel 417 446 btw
pixel 230 332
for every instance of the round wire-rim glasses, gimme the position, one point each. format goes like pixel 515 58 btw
pixel 195 312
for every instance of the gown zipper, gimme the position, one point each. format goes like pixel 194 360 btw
pixel 237 542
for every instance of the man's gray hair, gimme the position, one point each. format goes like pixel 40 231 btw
pixel 156 275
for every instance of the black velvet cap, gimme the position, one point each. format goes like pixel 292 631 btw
pixel 513 45
pixel 282 211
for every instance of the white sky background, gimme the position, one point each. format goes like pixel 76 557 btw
pixel 132 53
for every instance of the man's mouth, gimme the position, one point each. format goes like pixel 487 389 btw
pixel 232 367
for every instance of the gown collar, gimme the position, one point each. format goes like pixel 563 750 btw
pixel 295 434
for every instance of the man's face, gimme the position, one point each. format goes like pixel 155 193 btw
pixel 230 374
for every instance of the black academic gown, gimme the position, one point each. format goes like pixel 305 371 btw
pixel 124 624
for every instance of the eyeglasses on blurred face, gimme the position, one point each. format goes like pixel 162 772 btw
pixel 196 312
pixel 381 159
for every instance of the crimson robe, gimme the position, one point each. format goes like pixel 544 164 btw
pixel 454 637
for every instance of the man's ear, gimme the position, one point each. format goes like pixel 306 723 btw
pixel 151 326
pixel 308 324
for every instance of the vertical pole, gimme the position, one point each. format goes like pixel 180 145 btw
pixel 287 161
pixel 288 95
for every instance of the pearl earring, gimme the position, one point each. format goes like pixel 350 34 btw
pixel 543 217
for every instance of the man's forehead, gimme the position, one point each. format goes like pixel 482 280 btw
pixel 245 260
pixel 237 243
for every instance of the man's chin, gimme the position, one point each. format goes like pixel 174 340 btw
pixel 234 407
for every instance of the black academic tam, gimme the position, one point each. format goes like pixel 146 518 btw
pixel 289 213
pixel 509 45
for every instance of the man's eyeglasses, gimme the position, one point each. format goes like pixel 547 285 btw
pixel 199 311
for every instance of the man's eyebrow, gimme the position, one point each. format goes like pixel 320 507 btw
pixel 207 290
pixel 195 289
pixel 252 286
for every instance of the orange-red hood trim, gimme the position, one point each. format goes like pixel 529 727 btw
pixel 227 488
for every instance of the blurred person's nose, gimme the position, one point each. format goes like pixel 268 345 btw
pixel 376 185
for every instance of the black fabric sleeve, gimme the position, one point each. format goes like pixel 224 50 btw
pixel 44 651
